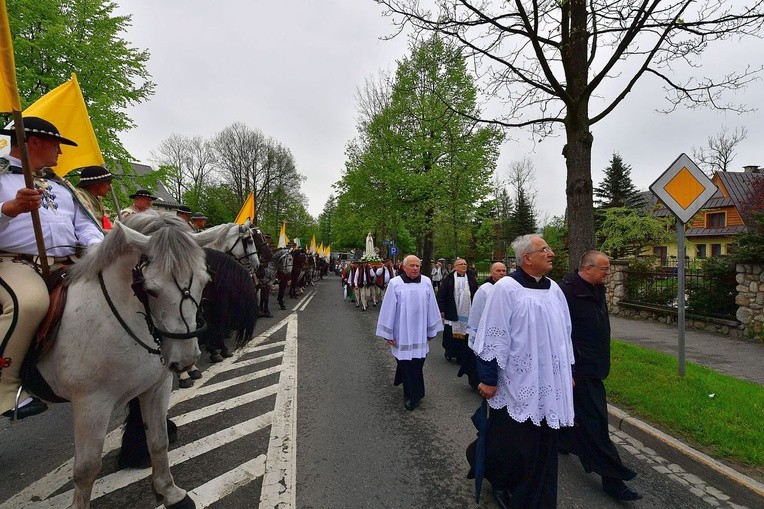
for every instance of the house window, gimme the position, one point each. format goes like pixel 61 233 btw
pixel 661 252
pixel 701 250
pixel 716 249
pixel 715 220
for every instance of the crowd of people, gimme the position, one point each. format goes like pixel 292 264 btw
pixel 536 351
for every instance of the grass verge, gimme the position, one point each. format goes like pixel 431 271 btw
pixel 724 415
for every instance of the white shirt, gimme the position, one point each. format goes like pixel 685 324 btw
pixel 528 332
pixel 476 311
pixel 65 224
pixel 409 315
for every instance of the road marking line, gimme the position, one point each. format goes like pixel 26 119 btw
pixel 278 490
pixel 124 478
pixel 207 389
pixel 223 485
pixel 222 406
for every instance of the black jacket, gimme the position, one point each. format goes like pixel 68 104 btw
pixel 591 326
pixel 446 301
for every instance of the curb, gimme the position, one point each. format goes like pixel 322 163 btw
pixel 627 423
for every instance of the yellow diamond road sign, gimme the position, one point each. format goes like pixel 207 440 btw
pixel 683 188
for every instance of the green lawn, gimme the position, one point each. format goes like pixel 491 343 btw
pixel 720 413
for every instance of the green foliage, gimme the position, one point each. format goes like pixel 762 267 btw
pixel 715 411
pixel 522 219
pixel 714 293
pixel 418 165
pixel 646 283
pixel 54 38
pixel 625 232
pixel 554 232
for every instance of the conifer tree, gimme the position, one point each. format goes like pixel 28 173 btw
pixel 617 189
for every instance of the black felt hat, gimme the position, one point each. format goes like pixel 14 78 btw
pixel 36 126
pixel 184 209
pixel 198 215
pixel 90 175
pixel 143 193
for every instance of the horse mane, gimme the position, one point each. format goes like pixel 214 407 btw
pixel 168 249
pixel 230 299
pixel 215 237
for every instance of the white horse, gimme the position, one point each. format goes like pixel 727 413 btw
pixel 233 239
pixel 129 323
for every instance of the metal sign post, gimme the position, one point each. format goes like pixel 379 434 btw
pixel 684 189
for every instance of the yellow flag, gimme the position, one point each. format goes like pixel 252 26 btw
pixel 327 251
pixel 9 94
pixel 283 240
pixel 247 210
pixel 312 248
pixel 320 249
pixel 65 108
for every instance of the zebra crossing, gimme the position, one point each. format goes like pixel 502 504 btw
pixel 236 436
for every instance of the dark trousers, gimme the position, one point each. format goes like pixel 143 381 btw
pixel 411 375
pixel 265 293
pixel 589 439
pixel 468 366
pixel 521 458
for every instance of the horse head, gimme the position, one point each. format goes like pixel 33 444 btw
pixel 262 245
pixel 235 240
pixel 165 269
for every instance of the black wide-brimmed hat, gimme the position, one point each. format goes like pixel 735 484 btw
pixel 143 193
pixel 90 175
pixel 36 126
pixel 198 215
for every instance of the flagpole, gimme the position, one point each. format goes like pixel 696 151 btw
pixel 18 122
pixel 116 203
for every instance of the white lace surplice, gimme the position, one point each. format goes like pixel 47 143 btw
pixel 409 314
pixel 528 331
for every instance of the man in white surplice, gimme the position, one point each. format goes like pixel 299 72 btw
pixel 408 319
pixel 525 358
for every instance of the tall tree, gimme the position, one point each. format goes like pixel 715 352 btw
pixel 53 38
pixel 617 189
pixel 417 163
pixel 547 59
pixel 190 163
pixel 719 151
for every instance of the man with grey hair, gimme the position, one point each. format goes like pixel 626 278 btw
pixel 525 359
pixel 589 439
pixel 454 300
pixel 408 320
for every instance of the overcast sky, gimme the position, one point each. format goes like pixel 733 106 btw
pixel 290 68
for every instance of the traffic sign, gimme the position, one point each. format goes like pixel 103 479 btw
pixel 393 250
pixel 683 188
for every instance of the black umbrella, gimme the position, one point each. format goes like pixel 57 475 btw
pixel 480 420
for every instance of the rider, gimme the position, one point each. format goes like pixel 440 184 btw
pixel 67 226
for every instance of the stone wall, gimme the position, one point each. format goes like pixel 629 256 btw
pixel 750 299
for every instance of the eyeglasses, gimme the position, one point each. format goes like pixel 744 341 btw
pixel 603 269
pixel 545 249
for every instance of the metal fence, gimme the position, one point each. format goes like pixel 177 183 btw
pixel 709 287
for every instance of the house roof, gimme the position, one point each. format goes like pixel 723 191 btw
pixel 715 232
pixel 165 199
pixel 736 185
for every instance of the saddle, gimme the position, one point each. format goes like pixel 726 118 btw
pixel 31 378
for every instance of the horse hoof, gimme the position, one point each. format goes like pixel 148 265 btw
pixel 185 383
pixel 186 503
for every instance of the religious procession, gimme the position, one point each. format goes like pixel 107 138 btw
pixel 432 345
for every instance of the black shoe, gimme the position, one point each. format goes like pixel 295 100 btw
pixel 619 491
pixel 501 497
pixel 225 352
pixel 410 405
pixel 216 357
pixel 282 306
pixel 185 383
pixel 34 407
pixel 195 374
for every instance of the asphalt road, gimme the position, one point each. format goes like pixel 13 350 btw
pixel 306 416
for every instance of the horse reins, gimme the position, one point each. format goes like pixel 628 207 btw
pixel 142 294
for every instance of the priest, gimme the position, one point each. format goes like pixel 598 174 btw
pixel 525 359
pixel 408 319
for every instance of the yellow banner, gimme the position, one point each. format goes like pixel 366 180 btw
pixel 247 210
pixel 64 107
pixel 9 94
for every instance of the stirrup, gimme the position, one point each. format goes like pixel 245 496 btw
pixel 16 404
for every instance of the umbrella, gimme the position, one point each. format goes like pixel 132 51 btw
pixel 480 420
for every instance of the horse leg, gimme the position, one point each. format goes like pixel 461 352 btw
pixel 91 421
pixel 154 405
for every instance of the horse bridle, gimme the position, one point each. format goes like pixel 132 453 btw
pixel 139 288
pixel 240 238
